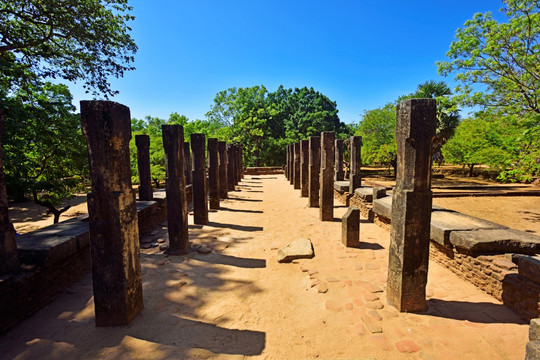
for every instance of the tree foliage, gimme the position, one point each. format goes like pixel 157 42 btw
pixel 265 122
pixel 84 40
pixel 45 153
pixel 502 57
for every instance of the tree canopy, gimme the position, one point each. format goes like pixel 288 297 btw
pixel 501 57
pixel 84 40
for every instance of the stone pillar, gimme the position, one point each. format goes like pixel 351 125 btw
pixel 355 181
pixel 379 193
pixel 326 179
pixel 304 168
pixel 213 173
pixel 296 165
pixel 350 227
pixel 340 174
pixel 9 260
pixel 314 170
pixel 187 163
pixel 223 180
pixel 175 187
pixel 291 164
pixel 230 167
pixel 143 165
pixel 112 210
pixel 411 205
pixel 200 194
pixel 239 170
pixel 287 162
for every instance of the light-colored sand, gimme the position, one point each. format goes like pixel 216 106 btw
pixel 238 302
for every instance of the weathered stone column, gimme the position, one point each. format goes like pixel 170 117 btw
pixel 314 170
pixel 200 186
pixel 213 173
pixel 411 205
pixel 187 163
pixel 287 162
pixel 291 164
pixel 230 167
pixel 340 174
pixel 304 168
pixel 223 180
pixel 296 166
pixel 326 179
pixel 350 227
pixel 177 212
pixel 143 165
pixel 355 180
pixel 112 210
pixel 9 260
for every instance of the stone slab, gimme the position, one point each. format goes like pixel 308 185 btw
pixel 529 267
pixel 534 330
pixel 496 241
pixel 444 222
pixel 300 248
pixel 383 207
pixel 365 193
pixel 342 186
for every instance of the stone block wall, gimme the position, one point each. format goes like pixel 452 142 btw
pixel 267 170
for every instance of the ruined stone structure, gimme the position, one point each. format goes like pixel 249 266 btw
pixel 187 164
pixel 296 165
pixel 411 205
pixel 350 227
pixel 200 186
pixel 114 233
pixel 177 213
pixel 143 165
pixel 314 170
pixel 230 167
pixel 326 179
pixel 355 180
pixel 213 173
pixel 304 168
pixel 223 179
pixel 291 163
pixel 340 174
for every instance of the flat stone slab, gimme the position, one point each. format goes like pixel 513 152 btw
pixel 383 207
pixel 444 222
pixel 342 186
pixel 365 193
pixel 300 248
pixel 498 241
pixel 529 267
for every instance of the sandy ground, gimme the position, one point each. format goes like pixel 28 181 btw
pixel 238 302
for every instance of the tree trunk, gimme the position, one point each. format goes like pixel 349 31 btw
pixel 471 167
pixel 52 209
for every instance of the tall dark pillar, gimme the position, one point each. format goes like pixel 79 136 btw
pixel 326 192
pixel 9 260
pixel 213 173
pixel 338 159
pixel 200 186
pixel 287 162
pixel 230 167
pixel 355 180
pixel 291 163
pixel 112 210
pixel 143 164
pixel 314 170
pixel 411 205
pixel 304 168
pixel 223 180
pixel 187 164
pixel 296 165
pixel 177 213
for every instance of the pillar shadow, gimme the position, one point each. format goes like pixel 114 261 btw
pixel 481 312
pixel 235 227
pixel 243 199
pixel 241 210
pixel 369 246
pixel 233 261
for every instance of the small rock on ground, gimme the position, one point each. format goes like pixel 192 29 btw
pixel 298 249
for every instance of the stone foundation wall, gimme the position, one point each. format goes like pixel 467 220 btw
pixel 55 257
pixel 268 170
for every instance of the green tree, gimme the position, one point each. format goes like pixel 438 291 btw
pixel 378 131
pixel 84 40
pixel 150 126
pixel 45 152
pixel 502 57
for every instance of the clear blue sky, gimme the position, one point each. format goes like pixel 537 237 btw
pixel 361 54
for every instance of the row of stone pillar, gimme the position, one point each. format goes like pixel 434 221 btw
pixel 114 235
pixel 313 165
pixel 411 198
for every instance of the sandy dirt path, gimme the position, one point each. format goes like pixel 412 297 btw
pixel 239 302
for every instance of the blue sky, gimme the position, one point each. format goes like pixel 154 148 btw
pixel 361 54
